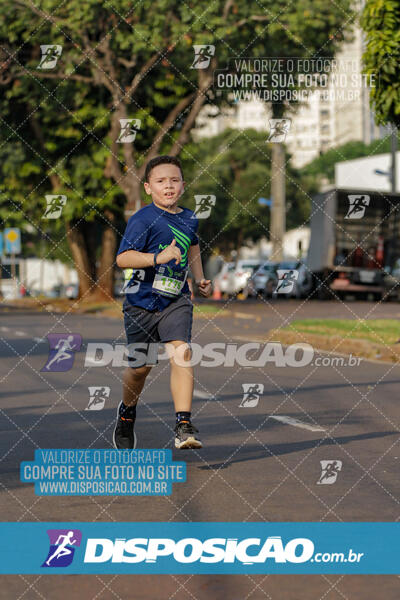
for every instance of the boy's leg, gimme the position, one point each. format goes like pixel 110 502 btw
pixel 181 379
pixel 182 394
pixel 124 437
pixel 140 327
pixel 133 382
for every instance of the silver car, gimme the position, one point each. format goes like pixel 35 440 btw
pixel 303 284
pixel 239 276
pixel 264 280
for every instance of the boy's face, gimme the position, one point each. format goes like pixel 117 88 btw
pixel 165 185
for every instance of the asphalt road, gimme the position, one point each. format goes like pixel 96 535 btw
pixel 253 467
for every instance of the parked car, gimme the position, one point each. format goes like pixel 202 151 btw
pixel 303 285
pixel 264 280
pixel 239 276
pixel 72 290
pixel 391 283
pixel 221 278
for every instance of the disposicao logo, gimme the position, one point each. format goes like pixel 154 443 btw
pixel 62 547
pixel 191 550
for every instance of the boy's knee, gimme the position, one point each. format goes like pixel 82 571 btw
pixel 181 353
pixel 138 373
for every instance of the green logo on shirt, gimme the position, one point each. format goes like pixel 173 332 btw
pixel 183 240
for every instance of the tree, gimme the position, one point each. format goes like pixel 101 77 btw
pixel 381 23
pixel 235 166
pixel 125 60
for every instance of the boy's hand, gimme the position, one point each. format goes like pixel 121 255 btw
pixel 204 287
pixel 171 252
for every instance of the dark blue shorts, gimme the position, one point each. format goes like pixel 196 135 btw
pixel 172 323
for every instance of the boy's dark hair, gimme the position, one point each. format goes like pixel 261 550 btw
pixel 161 160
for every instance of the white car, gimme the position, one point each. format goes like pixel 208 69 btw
pixel 239 276
pixel 221 278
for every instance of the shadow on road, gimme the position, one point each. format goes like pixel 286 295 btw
pixel 289 448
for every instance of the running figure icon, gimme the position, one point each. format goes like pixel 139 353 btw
pixel 62 549
pixel 251 394
pixel 63 544
pixel 357 206
pixel 55 205
pixel 204 204
pixel 329 471
pixel 62 347
pixel 287 281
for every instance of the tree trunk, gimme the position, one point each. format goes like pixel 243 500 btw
pixel 80 257
pixel 104 288
pixel 127 179
pixel 278 210
pixel 134 202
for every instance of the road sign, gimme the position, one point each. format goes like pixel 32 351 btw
pixel 265 201
pixel 12 239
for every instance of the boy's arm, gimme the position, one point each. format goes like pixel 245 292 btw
pixel 132 259
pixel 196 266
pixel 195 263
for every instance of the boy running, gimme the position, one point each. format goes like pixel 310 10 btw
pixel 159 243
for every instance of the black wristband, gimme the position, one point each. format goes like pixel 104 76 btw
pixel 155 258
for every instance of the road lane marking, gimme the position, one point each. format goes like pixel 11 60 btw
pixel 39 340
pixel 5 328
pixel 21 334
pixel 296 423
pixel 203 395
pixel 240 315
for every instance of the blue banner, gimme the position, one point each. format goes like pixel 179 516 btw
pixel 204 548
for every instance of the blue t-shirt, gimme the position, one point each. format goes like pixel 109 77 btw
pixel 152 229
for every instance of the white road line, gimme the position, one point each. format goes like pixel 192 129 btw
pixel 244 338
pixel 240 315
pixel 5 328
pixel 296 423
pixel 39 340
pixel 21 334
pixel 281 418
pixel 201 394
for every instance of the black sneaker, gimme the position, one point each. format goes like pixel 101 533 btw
pixel 185 436
pixel 124 436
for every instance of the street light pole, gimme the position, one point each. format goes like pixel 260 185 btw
pixel 393 147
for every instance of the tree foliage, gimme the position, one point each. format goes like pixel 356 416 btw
pixel 122 59
pixel 381 23
pixel 235 166
pixel 323 167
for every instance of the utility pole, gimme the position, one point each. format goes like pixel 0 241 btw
pixel 278 209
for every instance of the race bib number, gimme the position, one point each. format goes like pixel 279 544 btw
pixel 168 282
